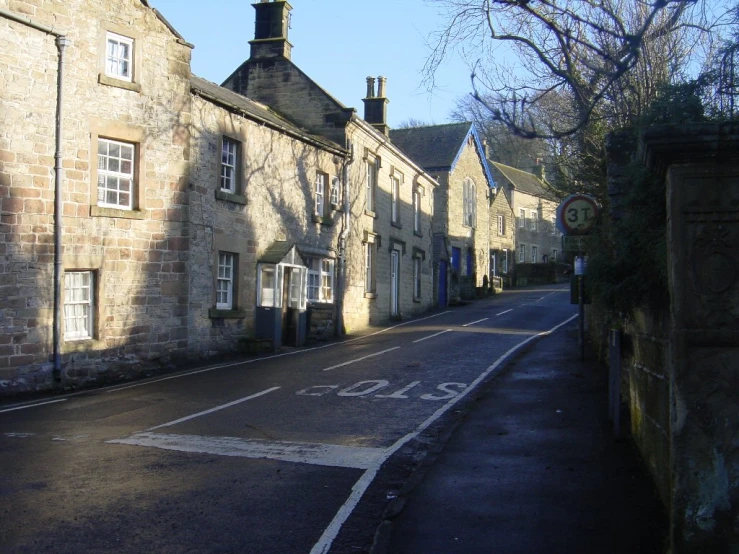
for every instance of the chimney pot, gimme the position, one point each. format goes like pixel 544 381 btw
pixel 381 87
pixel 370 87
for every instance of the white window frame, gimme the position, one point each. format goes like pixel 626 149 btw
pixel 534 254
pixel 417 211
pixel 327 280
pixel 394 199
pixel 320 192
pixel 417 278
pixel 112 181
pixel 501 225
pixel 554 254
pixel 313 280
pixel 79 305
pixel 370 262
pixel 469 203
pixel 522 218
pixel 522 253
pixel 335 188
pixel 371 185
pixel 115 60
pixel 534 219
pixel 225 280
pixel 229 165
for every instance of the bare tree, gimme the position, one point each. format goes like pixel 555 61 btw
pixel 570 53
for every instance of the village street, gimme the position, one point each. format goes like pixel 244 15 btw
pixel 281 453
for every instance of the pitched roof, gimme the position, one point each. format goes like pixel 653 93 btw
pixel 254 110
pixel 433 147
pixel 526 182
pixel 438 147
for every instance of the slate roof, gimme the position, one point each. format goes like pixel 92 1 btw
pixel 434 147
pixel 525 182
pixel 438 147
pixel 256 111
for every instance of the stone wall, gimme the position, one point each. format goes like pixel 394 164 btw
pixel 682 366
pixel 138 257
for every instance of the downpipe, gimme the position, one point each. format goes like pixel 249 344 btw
pixel 62 42
pixel 339 327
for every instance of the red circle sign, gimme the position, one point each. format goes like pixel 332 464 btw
pixel 577 214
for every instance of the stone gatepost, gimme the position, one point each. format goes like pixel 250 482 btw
pixel 700 164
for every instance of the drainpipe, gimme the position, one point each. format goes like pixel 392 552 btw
pixel 61 43
pixel 338 328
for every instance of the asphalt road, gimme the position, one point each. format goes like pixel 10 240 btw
pixel 296 452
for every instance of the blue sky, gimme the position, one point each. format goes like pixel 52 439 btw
pixel 338 43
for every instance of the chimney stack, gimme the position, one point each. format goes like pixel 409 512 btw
pixel 375 107
pixel 271 25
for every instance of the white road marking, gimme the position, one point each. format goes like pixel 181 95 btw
pixel 400 393
pixel 362 358
pixel 360 487
pixel 478 321
pixel 217 408
pixel 14 408
pixel 432 336
pixel 332 455
pixel 505 312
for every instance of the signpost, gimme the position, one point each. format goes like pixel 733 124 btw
pixel 576 218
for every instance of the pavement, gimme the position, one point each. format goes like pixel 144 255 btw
pixel 532 466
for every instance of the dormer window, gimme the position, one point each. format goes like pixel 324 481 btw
pixel 119 57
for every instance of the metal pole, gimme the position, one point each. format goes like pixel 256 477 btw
pixel 581 309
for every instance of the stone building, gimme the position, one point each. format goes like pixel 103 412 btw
pixel 502 240
pixel 534 203
pixel 192 217
pixel 94 160
pixel 384 268
pixel 259 188
pixel 454 154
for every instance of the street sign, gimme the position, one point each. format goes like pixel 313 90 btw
pixel 578 243
pixel 577 214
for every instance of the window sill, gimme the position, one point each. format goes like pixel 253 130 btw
pixel 370 213
pixel 81 345
pixel 231 197
pixel 321 305
pixel 416 300
pixel 119 83
pixel 215 313
pixel 396 224
pixel 370 295
pixel 97 211
pixel 323 220
pixel 336 207
pixel 418 233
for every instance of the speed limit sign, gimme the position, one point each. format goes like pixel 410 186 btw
pixel 577 214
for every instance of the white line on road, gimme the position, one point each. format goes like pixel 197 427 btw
pixel 331 455
pixel 14 408
pixel 360 487
pixel 262 358
pixel 362 358
pixel 478 321
pixel 501 313
pixel 217 408
pixel 432 336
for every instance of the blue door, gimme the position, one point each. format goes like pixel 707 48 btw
pixel 442 284
pixel 469 262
